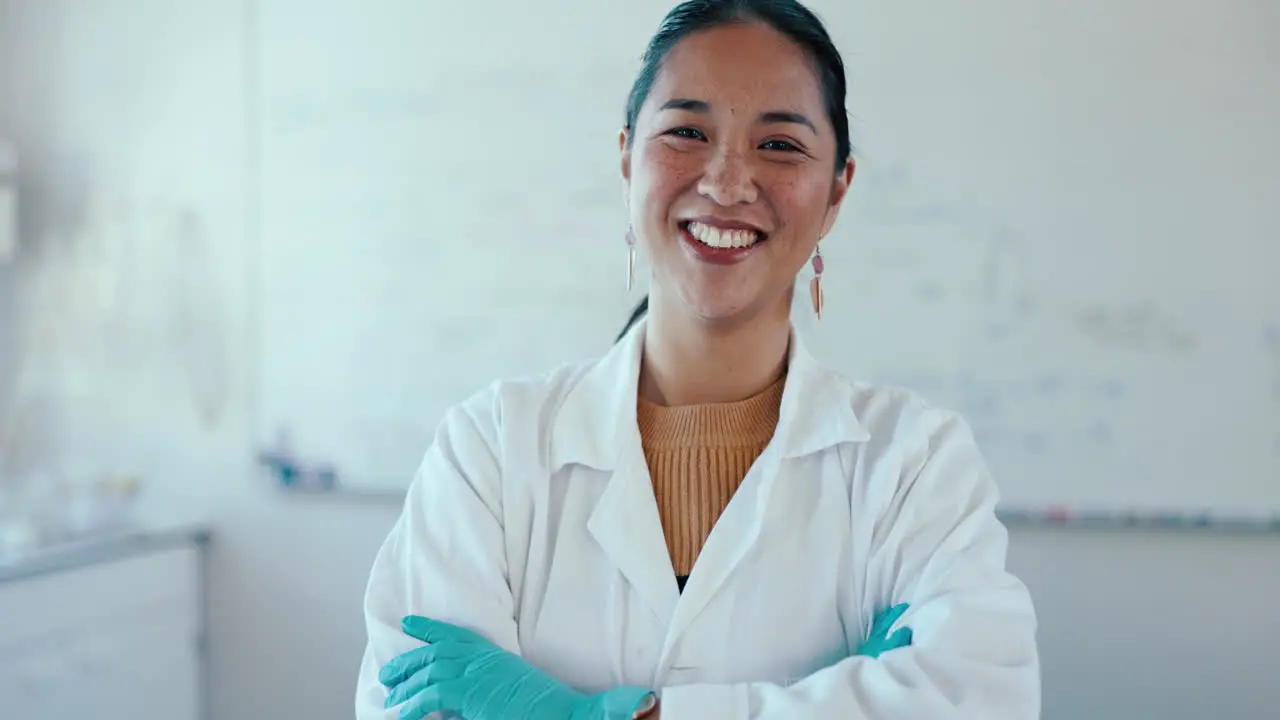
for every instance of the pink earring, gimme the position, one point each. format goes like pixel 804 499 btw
pixel 631 260
pixel 815 285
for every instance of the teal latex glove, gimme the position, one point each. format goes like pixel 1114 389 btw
pixel 879 640
pixel 460 671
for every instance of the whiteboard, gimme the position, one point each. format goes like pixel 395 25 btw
pixel 1064 225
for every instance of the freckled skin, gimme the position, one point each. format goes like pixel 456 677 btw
pixel 728 162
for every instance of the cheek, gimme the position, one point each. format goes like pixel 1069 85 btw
pixel 803 201
pixel 664 175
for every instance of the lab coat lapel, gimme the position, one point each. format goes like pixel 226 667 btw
pixel 734 534
pixel 626 524
pixel 816 414
pixel 596 427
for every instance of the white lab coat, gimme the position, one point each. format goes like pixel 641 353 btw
pixel 532 520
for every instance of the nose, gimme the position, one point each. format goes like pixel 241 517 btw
pixel 728 179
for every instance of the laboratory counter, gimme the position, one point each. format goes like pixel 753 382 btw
pixel 124 614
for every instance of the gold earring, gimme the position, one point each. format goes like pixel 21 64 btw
pixel 815 285
pixel 631 260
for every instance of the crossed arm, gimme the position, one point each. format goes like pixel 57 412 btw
pixel 942 548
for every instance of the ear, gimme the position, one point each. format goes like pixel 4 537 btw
pixel 839 189
pixel 625 153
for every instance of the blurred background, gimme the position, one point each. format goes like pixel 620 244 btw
pixel 249 251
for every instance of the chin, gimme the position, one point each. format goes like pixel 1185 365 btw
pixel 722 310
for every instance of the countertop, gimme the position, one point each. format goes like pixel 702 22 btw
pixel 63 556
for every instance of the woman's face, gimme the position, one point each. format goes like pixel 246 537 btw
pixel 731 174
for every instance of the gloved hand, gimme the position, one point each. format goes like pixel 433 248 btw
pixel 878 640
pixel 462 672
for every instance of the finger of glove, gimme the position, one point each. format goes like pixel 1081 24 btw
pixel 406 664
pixel 433 631
pixel 622 703
pixel 434 673
pixel 886 619
pixel 901 638
pixel 444 697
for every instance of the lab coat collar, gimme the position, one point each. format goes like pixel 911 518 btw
pixel 597 422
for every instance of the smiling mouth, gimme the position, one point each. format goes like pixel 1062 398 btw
pixel 722 238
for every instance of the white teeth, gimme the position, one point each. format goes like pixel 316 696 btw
pixel 721 238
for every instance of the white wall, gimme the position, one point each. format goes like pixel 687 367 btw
pixel 143 100
pixel 146 97
pixel 8 273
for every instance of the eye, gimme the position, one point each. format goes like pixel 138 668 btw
pixel 779 145
pixel 687 133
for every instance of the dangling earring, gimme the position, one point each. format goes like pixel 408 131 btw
pixel 815 285
pixel 631 260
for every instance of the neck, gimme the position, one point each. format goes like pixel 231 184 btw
pixel 690 362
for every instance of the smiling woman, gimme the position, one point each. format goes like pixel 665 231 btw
pixel 732 133
pixel 706 522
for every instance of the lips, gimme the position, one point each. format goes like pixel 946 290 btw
pixel 718 236
pixel 721 243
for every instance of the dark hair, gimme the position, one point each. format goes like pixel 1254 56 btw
pixel 636 314
pixel 788 17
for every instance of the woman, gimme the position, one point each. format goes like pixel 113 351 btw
pixel 544 547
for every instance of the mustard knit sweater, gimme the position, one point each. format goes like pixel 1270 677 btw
pixel 698 455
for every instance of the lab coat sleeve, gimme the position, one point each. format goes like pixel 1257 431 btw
pixel 444 557
pixel 940 548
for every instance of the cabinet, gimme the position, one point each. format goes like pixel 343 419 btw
pixel 114 633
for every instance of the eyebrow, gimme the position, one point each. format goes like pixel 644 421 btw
pixel 697 106
pixel 783 116
pixel 771 117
